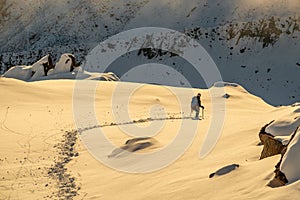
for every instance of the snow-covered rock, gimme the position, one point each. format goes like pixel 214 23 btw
pixel 19 72
pixel 36 71
pixel 290 164
pixel 276 135
pixel 112 76
pixel 283 139
pixel 42 67
pixel 79 74
pixel 66 63
pixel 285 125
pixel 65 68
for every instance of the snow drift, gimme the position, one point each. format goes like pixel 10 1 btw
pixel 290 164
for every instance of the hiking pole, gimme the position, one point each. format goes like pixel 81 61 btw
pixel 203 113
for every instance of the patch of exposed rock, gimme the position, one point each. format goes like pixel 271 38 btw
pixel 272 146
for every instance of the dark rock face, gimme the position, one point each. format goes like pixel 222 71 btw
pixel 263 135
pixel 279 179
pixel 48 65
pixel 271 146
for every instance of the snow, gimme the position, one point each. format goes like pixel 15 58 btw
pixel 291 160
pixel 19 72
pixel 27 73
pixel 283 139
pixel 80 74
pixel 64 64
pixel 285 125
pixel 224 84
pixel 35 116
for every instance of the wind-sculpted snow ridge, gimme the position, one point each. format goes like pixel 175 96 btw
pixel 286 124
pixel 65 68
pixel 225 84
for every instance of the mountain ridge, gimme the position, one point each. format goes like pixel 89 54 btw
pixel 254 43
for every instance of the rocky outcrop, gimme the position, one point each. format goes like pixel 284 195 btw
pixel 280 178
pixel 271 145
pixel 263 135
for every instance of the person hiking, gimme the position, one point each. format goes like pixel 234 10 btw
pixel 196 105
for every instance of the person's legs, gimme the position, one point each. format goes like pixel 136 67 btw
pixel 196 109
pixel 197 112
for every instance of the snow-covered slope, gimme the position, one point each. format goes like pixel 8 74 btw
pixel 254 43
pixel 40 158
